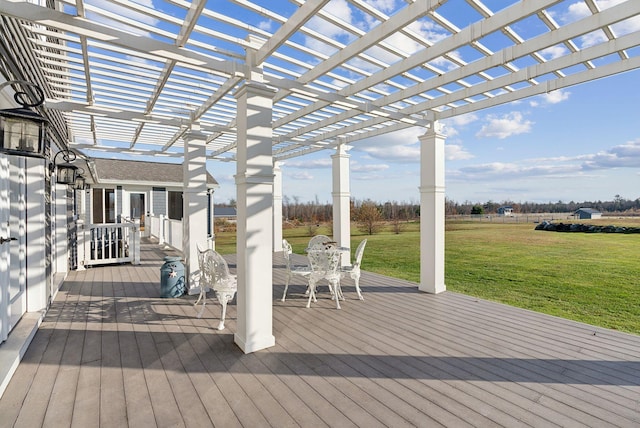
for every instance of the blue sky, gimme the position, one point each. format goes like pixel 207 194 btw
pixel 578 144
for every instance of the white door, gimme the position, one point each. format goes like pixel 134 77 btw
pixel 17 248
pixel 4 247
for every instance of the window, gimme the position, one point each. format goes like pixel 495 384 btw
pixel 104 206
pixel 175 205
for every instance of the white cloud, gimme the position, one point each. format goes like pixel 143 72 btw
pixel 338 8
pixel 399 146
pixel 623 156
pixel 456 152
pixel 554 52
pixel 553 97
pixel 505 126
pixel 382 5
pixel 397 138
pixel 355 167
pixel 300 175
pixel 395 153
pixel 452 124
pixel 265 25
pixel 408 46
pixel 580 10
pixel 510 171
pixel 310 163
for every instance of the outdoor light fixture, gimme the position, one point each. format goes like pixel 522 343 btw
pixel 66 172
pixel 22 130
pixel 81 182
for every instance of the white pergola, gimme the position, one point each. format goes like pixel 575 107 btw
pixel 261 81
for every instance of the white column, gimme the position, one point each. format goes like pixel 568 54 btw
pixel 211 240
pixel 432 210
pixel 81 232
pixel 341 200
pixel 194 199
pixel 277 207
pixel 38 292
pixel 60 249
pixel 254 183
pixel 5 215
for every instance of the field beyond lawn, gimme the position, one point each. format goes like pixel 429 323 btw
pixel 587 277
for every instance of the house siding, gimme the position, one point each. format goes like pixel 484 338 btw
pixel 159 198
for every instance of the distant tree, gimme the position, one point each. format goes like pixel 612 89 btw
pixel 477 210
pixel 312 229
pixel 369 218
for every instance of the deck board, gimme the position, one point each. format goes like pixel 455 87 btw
pixel 111 352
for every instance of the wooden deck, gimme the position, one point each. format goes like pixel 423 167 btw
pixel 112 353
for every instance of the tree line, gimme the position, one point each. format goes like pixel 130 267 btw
pixel 617 205
pixel 370 214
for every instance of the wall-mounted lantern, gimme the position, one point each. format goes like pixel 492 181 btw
pixel 81 182
pixel 22 130
pixel 66 172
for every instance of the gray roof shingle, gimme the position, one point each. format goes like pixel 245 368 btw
pixel 140 171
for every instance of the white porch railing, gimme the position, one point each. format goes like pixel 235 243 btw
pixel 107 243
pixel 167 231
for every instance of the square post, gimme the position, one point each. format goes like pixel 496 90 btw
pixel 432 210
pixel 254 182
pixel 341 200
pixel 277 207
pixel 194 202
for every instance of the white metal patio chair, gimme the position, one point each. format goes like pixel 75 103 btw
pixel 354 270
pixel 214 274
pixel 318 240
pixel 325 264
pixel 292 270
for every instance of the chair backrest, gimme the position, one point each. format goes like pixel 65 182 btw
pixel 359 252
pixel 318 240
pixel 286 251
pixel 215 271
pixel 207 268
pixel 323 262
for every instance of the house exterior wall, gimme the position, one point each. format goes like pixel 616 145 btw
pixel 156 200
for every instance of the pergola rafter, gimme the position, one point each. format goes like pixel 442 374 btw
pixel 135 78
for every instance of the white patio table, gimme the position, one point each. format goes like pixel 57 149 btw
pixel 324 260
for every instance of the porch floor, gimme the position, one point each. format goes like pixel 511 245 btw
pixel 111 352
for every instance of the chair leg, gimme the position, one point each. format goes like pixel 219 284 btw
pixel 337 293
pixel 357 281
pixel 203 297
pixel 223 303
pixel 224 297
pixel 312 294
pixel 286 286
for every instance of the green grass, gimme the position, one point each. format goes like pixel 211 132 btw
pixel 592 278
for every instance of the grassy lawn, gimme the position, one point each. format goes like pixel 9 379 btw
pixel 592 278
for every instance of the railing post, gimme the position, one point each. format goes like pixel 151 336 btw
pixel 80 244
pixel 136 242
pixel 161 230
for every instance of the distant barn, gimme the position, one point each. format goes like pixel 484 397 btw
pixel 587 214
pixel 225 213
pixel 506 211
